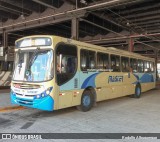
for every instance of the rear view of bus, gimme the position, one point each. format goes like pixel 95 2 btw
pixel 32 81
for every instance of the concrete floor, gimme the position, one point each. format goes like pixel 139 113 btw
pixel 122 115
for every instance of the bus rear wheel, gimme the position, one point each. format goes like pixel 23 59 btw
pixel 137 91
pixel 87 101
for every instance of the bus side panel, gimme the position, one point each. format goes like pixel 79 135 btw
pixel 107 85
pixel 147 86
pixel 129 86
pixel 65 99
pixel 67 92
pixel 77 94
pixel 107 90
pixel 101 87
pixel 71 91
pixel 147 81
pixel 114 84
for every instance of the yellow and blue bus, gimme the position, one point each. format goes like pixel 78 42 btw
pixel 53 72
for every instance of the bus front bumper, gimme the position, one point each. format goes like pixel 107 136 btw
pixel 46 103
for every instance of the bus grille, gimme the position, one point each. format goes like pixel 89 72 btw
pixel 26 86
pixel 24 102
pixel 19 94
pixel 31 96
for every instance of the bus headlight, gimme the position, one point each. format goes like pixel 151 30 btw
pixel 38 96
pixel 47 92
pixel 44 94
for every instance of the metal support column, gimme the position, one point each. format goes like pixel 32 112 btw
pixel 131 45
pixel 156 61
pixel 75 29
pixel 5 42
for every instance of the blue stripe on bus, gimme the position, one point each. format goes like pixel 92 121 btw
pixel 145 78
pixel 46 103
pixel 90 81
pixel 137 77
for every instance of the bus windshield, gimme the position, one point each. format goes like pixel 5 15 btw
pixel 33 66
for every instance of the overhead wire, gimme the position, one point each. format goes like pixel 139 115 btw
pixel 115 32
pixel 130 23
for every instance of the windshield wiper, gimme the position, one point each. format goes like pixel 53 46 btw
pixel 33 58
pixel 21 59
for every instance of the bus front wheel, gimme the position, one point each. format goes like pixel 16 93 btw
pixel 137 91
pixel 87 101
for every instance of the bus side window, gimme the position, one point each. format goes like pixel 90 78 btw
pixel 125 64
pixel 102 61
pixel 115 63
pixel 147 68
pixel 83 60
pixel 87 60
pixel 152 66
pixel 133 65
pixel 71 64
pixel 66 56
pixel 140 66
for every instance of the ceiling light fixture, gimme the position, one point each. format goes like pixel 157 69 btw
pixel 22 17
pixel 83 2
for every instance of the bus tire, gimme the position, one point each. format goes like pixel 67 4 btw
pixel 137 93
pixel 87 101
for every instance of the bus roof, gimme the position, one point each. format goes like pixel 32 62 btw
pixel 110 50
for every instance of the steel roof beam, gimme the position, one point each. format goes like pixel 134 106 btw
pixel 146 14
pixel 125 37
pixel 104 28
pixel 126 12
pixel 49 4
pixel 145 22
pixel 106 18
pixel 145 26
pixel 13 8
pixel 153 28
pixel 27 5
pixel 34 24
pixel 5 14
pixel 145 18
pixel 154 31
pixel 69 12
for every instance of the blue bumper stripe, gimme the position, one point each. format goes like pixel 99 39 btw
pixel 46 103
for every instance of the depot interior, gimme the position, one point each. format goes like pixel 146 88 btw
pixel 131 25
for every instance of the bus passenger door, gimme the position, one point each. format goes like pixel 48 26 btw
pixel 66 71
